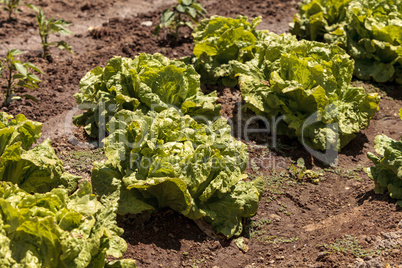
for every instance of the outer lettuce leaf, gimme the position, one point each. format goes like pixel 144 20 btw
pixel 170 160
pixel 37 170
pixel 18 129
pixel 387 172
pixel 54 230
pixel 103 92
pixel 370 31
pixel 308 83
pixel 147 82
pixel 218 41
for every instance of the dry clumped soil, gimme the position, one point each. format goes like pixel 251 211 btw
pixel 335 220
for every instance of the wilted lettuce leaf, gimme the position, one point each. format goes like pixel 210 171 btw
pixel 308 83
pixel 55 230
pixel 147 82
pixel 218 41
pixel 387 172
pixel 37 170
pixel 369 30
pixel 170 160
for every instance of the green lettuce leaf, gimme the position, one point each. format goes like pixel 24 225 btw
pixel 37 170
pixel 18 129
pixel 370 31
pixel 387 172
pixel 306 86
pixel 169 160
pixel 55 230
pixel 219 40
pixel 147 82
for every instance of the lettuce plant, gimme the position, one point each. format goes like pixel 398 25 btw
pixel 173 16
pixel 219 40
pixel 37 170
pixel 305 86
pixel 147 82
pixel 56 230
pixel 169 160
pixel 369 30
pixel 16 74
pixel 387 172
pixel 48 27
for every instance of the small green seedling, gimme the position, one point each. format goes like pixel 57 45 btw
pixel 174 17
pixel 349 245
pixel 15 73
pixel 48 27
pixel 300 172
pixel 11 6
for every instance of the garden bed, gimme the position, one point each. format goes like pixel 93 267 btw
pixel 298 224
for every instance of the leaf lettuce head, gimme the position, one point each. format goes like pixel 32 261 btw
pixel 305 87
pixel 147 82
pixel 170 160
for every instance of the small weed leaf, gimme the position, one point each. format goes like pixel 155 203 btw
pixel 349 245
pixel 48 27
pixel 15 73
pixel 175 17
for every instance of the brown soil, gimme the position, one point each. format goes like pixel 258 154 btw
pixel 296 218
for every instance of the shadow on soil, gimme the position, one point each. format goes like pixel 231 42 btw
pixel 165 228
pixel 172 42
pixel 371 196
pixel 356 146
pixel 285 146
pixel 392 90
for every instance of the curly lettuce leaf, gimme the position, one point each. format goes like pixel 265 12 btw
pixel 387 172
pixel 370 31
pixel 18 129
pixel 219 40
pixel 306 85
pixel 55 230
pixel 37 170
pixel 169 160
pixel 147 82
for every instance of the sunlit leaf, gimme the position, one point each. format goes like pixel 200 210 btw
pixel 370 31
pixel 21 68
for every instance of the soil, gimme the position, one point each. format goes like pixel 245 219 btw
pixel 299 223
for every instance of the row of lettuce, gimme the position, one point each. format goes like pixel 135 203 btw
pixel 303 84
pixel 168 146
pixel 139 103
pixel 370 31
pixel 158 156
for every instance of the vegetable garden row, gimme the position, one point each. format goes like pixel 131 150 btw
pixel 166 143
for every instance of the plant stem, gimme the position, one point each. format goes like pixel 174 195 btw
pixel 177 27
pixel 9 85
pixel 45 45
